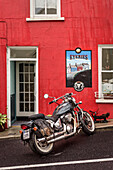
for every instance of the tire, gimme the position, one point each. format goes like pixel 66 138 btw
pixel 42 148
pixel 88 125
pixel 31 145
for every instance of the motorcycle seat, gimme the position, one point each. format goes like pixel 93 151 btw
pixel 37 116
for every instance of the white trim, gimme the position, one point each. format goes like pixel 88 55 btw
pixel 45 17
pixel 23 59
pixel 36 108
pixel 8 75
pixel 104 101
pixel 105 45
pixel 8 88
pixel 22 47
pixel 31 8
pixel 100 71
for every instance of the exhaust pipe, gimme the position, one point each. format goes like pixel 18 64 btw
pixel 51 137
pixel 59 138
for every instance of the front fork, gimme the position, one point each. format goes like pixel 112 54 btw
pixel 79 114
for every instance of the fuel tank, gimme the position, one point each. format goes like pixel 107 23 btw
pixel 63 108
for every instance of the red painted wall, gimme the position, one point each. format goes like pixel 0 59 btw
pixel 3 77
pixel 87 24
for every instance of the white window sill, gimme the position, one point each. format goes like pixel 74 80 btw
pixel 104 100
pixel 46 19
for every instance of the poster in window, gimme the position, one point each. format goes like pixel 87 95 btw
pixel 78 69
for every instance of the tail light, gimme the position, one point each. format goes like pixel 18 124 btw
pixel 24 127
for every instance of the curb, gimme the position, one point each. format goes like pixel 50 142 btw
pixel 97 127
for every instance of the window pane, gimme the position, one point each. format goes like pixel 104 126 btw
pixel 107 84
pixel 51 6
pixel 39 6
pixel 107 59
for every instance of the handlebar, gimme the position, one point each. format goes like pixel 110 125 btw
pixel 66 95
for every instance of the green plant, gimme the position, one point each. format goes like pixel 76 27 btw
pixel 3 119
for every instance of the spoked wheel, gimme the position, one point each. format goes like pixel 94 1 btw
pixel 41 147
pixel 88 125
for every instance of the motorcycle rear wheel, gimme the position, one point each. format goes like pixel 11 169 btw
pixel 42 148
pixel 88 125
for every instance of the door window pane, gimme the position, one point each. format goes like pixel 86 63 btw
pixel 31 67
pixel 27 107
pixel 21 96
pixel 32 107
pixel 39 7
pixel 51 6
pixel 26 96
pixel 26 77
pixel 21 77
pixel 32 87
pixel 26 67
pixel 21 68
pixel 21 107
pixel 21 87
pixel 32 77
pixel 31 96
pixel 26 87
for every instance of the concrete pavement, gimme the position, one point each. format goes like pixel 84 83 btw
pixel 13 131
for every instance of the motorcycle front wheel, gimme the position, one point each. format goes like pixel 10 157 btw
pixel 88 125
pixel 41 147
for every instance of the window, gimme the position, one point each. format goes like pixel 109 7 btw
pixel 105 64
pixel 45 10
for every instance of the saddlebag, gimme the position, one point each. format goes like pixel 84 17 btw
pixel 43 127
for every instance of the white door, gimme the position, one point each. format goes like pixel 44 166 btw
pixel 25 88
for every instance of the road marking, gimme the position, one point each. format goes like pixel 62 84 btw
pixel 58 164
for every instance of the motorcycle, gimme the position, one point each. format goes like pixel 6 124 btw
pixel 41 132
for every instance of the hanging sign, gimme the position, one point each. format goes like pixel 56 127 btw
pixel 78 69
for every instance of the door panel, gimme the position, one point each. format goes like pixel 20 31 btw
pixel 25 88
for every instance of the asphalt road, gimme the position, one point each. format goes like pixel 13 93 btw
pixel 67 152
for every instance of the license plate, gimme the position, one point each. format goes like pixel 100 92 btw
pixel 26 134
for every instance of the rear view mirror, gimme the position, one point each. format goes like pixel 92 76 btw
pixel 46 96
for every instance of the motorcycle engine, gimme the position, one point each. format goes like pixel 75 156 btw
pixel 58 124
pixel 68 121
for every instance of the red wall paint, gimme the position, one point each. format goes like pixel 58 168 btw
pixel 3 89
pixel 87 24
